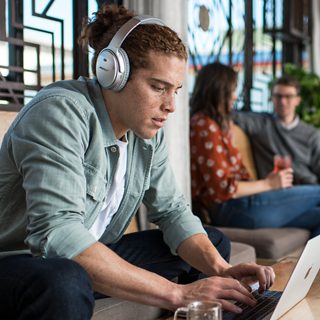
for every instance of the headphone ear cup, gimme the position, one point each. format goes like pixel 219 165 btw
pixel 122 77
pixel 106 68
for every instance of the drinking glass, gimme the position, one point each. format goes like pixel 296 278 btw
pixel 281 162
pixel 200 310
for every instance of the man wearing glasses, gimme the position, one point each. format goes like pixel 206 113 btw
pixel 283 133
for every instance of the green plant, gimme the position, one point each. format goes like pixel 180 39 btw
pixel 309 108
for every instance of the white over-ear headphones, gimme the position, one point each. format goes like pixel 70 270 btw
pixel 113 67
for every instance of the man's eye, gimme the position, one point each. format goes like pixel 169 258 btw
pixel 159 89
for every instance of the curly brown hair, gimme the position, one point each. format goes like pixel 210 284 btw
pixel 98 32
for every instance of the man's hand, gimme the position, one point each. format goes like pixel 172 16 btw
pixel 252 272
pixel 218 288
pixel 231 285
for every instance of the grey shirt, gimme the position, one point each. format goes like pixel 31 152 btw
pixel 269 137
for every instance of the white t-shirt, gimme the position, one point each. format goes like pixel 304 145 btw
pixel 115 194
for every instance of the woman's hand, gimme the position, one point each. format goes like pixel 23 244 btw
pixel 280 180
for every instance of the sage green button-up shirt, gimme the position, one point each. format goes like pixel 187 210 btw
pixel 57 163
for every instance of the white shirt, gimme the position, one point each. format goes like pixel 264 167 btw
pixel 115 194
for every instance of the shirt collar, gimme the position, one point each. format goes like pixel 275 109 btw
pixel 291 125
pixel 102 113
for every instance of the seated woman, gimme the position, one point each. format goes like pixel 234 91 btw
pixel 220 182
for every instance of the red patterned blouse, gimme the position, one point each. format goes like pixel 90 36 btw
pixel 216 165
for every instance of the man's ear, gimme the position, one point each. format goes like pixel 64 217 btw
pixel 298 100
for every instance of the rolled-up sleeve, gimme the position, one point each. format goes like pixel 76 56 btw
pixel 48 144
pixel 166 205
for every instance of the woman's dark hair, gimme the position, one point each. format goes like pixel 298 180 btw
pixel 98 32
pixel 212 92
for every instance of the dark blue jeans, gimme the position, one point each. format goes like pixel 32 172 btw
pixel 35 288
pixel 147 250
pixel 298 206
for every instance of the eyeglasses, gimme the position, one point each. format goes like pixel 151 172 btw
pixel 279 96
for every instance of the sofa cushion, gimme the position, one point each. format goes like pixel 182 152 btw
pixel 241 141
pixel 269 243
pixel 6 119
pixel 117 309
pixel 241 253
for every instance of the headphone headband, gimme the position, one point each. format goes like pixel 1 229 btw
pixel 113 67
pixel 130 25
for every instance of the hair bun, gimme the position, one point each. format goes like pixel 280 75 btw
pixel 98 31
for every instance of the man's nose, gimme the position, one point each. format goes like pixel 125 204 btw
pixel 169 103
pixel 283 98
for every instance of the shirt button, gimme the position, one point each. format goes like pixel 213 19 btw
pixel 113 149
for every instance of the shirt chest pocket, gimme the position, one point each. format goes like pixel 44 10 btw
pixel 139 184
pixel 96 184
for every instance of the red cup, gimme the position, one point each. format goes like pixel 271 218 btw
pixel 281 162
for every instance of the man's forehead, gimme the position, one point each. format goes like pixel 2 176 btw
pixel 164 82
pixel 284 88
pixel 167 69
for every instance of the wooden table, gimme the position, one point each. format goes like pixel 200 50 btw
pixel 309 307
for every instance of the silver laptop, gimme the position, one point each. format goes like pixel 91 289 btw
pixel 273 304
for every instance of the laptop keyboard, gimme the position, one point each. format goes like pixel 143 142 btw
pixel 266 303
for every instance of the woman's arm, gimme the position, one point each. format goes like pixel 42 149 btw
pixel 280 180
